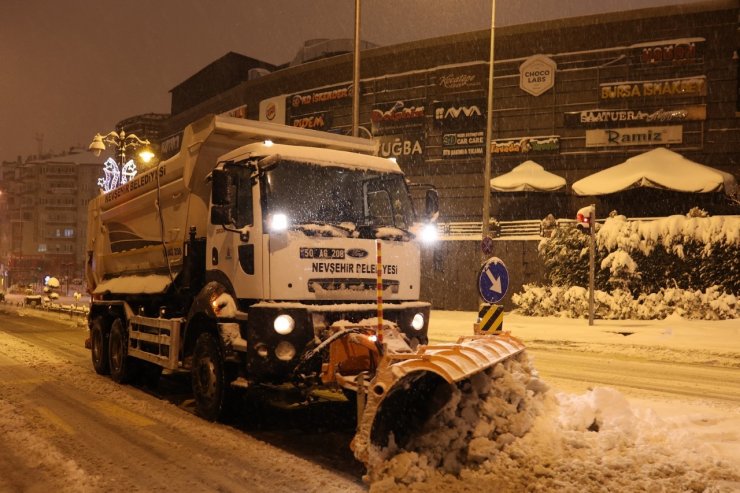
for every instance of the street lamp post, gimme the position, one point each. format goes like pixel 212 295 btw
pixel 489 134
pixel 119 173
pixel 121 141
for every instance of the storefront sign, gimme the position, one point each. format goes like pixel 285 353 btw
pixel 463 145
pixel 314 121
pixel 320 96
pixel 459 114
pixel 407 149
pixel 636 136
pixel 273 110
pixel 689 86
pixel 605 118
pixel 537 74
pixel 460 79
pixel 170 146
pixel 674 51
pixel 392 117
pixel 525 145
pixel 238 112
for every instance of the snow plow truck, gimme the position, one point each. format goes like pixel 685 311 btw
pixel 252 259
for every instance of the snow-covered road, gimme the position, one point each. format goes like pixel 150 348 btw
pixel 66 429
pixel 672 424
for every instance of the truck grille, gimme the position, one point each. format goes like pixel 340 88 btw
pixel 354 285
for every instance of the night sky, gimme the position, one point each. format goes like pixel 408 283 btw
pixel 72 68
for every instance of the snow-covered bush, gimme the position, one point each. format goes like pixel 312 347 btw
pixel 543 301
pixel 692 252
pixel 563 255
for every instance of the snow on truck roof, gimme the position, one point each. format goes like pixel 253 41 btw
pixel 321 157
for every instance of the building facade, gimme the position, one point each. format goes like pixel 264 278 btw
pixel 576 96
pixel 43 208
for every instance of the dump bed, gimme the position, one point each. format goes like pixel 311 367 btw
pixel 136 231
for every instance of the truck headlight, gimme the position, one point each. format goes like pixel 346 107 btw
pixel 283 324
pixel 285 351
pixel 418 321
pixel 429 233
pixel 278 222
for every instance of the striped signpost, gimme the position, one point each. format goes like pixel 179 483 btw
pixel 379 289
pixel 490 319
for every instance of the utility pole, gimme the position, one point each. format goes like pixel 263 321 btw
pixel 356 75
pixel 489 133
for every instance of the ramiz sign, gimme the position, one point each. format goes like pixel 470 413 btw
pixel 635 136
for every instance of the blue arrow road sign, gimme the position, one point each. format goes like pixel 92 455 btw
pixel 493 280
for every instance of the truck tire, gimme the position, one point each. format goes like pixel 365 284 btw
pixel 99 346
pixel 208 375
pixel 121 366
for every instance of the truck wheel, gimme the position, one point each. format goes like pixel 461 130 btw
pixel 208 375
pixel 99 346
pixel 121 366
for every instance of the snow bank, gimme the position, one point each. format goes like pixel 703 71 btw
pixel 483 416
pixel 589 442
pixel 544 301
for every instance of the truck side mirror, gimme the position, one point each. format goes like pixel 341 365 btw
pixel 222 188
pixel 222 197
pixel 221 214
pixel 432 204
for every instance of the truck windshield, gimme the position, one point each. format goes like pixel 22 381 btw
pixel 318 194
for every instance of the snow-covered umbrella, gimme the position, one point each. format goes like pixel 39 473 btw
pixel 657 168
pixel 528 177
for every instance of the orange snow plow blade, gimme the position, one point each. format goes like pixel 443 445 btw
pixel 408 388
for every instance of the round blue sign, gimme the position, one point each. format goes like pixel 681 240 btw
pixel 493 280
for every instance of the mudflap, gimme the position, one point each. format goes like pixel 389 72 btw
pixel 410 388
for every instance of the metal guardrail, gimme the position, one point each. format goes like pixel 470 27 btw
pixel 80 310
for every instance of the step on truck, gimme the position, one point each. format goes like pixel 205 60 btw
pixel 268 256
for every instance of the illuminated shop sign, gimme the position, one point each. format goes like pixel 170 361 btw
pixel 462 145
pixel 674 51
pixel 635 136
pixel 537 74
pixel 603 118
pixel 321 96
pixel 273 109
pixel 459 114
pixel 315 121
pixel 238 112
pixel 170 146
pixel 390 117
pixel 407 149
pixel 688 86
pixel 460 79
pixel 526 145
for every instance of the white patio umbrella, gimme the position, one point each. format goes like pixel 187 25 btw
pixel 528 177
pixel 657 168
